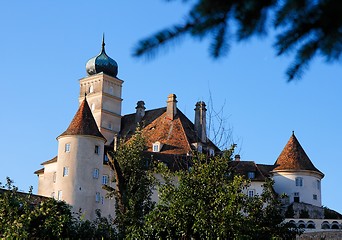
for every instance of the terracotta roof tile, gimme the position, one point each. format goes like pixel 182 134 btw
pixel 83 123
pixel 293 157
pixel 176 136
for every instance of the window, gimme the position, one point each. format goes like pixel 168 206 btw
pixel 296 197
pixel 102 200
pixel 105 179
pixel 97 197
pixel 67 147
pixel 96 173
pixel 155 148
pixel 109 125
pixel 199 148
pixel 318 184
pixel 97 150
pixel 111 90
pixel 59 195
pixel 299 181
pixel 314 197
pixel 105 158
pixel 91 89
pixel 54 177
pixel 65 171
pixel 92 107
pixel 251 193
pixel 251 175
pixel 211 152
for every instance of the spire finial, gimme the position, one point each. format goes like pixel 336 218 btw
pixel 293 133
pixel 103 42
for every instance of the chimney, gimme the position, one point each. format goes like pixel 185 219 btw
pixel 237 157
pixel 171 109
pixel 200 121
pixel 140 111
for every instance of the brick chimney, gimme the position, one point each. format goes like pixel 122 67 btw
pixel 171 109
pixel 200 121
pixel 140 111
pixel 237 157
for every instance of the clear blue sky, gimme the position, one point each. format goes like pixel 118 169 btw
pixel 44 48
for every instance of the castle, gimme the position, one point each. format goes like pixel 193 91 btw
pixel 79 170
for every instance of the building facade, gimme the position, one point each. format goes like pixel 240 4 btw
pixel 79 170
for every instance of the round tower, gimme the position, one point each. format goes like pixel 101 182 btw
pixel 80 163
pixel 295 175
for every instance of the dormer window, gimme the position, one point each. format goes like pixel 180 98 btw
pixel 251 175
pixel 156 147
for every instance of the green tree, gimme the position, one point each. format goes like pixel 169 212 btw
pixel 27 216
pixel 208 202
pixel 134 183
pixel 308 28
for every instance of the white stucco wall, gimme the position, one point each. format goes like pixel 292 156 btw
pixel 79 187
pixel 285 182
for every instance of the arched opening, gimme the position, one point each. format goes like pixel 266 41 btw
pixel 325 225
pixel 301 224
pixel 310 224
pixel 335 225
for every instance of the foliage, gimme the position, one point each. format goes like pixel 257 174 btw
pixel 309 28
pixel 331 214
pixel 134 183
pixel 208 202
pixel 28 216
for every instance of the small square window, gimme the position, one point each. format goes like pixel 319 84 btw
pixel 97 150
pixel 318 184
pixel 199 148
pixel 67 147
pixel 96 173
pixel 65 171
pixel 314 197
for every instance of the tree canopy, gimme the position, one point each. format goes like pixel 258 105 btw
pixel 306 28
pixel 209 202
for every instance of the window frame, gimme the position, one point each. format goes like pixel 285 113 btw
pixel 97 149
pixel 97 197
pixel 251 192
pixel 96 173
pixel 65 171
pixel 105 179
pixel 67 147
pixel 299 182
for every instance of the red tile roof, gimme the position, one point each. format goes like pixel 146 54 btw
pixel 83 123
pixel 176 136
pixel 294 158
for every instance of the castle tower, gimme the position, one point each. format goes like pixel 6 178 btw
pixel 295 175
pixel 103 90
pixel 80 163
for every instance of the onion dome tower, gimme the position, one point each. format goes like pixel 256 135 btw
pixel 102 63
pixel 295 174
pixel 103 89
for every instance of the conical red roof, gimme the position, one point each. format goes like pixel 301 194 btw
pixel 83 123
pixel 294 158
